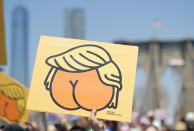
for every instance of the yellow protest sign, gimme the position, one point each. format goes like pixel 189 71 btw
pixel 13 98
pixel 3 60
pixel 74 76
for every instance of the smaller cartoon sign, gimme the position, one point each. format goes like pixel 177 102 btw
pixel 75 76
pixel 3 59
pixel 13 98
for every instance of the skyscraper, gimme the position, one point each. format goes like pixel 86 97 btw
pixel 74 23
pixel 19 45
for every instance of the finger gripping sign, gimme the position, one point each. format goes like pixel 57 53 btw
pixel 75 76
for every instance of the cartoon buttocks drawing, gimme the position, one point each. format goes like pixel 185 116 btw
pixel 84 77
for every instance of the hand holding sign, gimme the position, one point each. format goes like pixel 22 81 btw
pixel 96 124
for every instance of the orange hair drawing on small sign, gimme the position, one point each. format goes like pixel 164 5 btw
pixel 13 98
pixel 12 103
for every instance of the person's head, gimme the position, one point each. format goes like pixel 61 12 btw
pixel 77 128
pixel 165 128
pixel 13 127
pixel 180 126
pixel 83 122
pixel 151 128
pixel 190 126
pixel 113 125
pixel 60 127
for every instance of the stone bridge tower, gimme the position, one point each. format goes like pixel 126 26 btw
pixel 155 56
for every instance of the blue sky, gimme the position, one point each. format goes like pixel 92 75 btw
pixel 106 20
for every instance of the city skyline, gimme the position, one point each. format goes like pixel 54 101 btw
pixel 126 20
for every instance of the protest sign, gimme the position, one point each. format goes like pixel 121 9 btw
pixel 13 98
pixel 75 76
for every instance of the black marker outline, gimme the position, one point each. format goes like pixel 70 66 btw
pixel 74 97
pixel 80 63
pixel 51 94
pixel 79 71
pixel 89 59
pixel 96 55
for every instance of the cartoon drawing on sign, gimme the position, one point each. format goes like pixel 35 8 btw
pixel 84 77
pixel 12 103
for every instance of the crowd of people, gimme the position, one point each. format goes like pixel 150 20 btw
pixel 146 122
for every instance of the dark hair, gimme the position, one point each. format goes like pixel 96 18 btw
pixel 77 128
pixel 13 127
pixel 60 127
pixel 113 125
